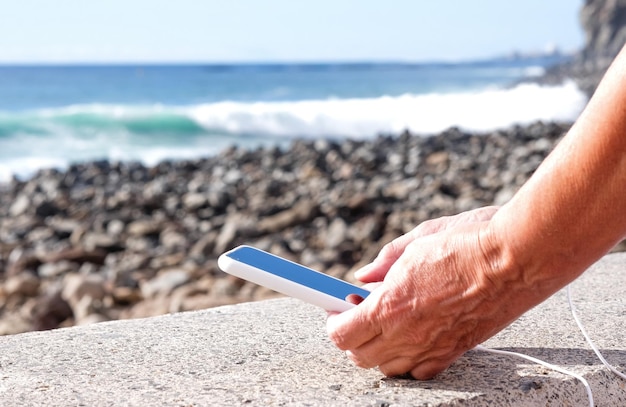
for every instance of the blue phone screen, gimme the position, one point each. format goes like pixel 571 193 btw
pixel 295 272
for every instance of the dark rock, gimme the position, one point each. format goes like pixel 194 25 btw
pixel 46 209
pixel 76 255
pixel 21 285
pixel 22 262
pixel 144 227
pixel 302 212
pixel 164 283
pixel 49 311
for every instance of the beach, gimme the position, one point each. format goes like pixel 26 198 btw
pixel 113 240
pixel 121 185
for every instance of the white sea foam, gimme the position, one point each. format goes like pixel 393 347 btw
pixel 24 167
pixel 429 113
pixel 154 133
pixel 424 113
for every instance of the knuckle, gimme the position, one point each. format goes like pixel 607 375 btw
pixel 360 360
pixel 389 372
pixel 427 371
pixel 396 369
pixel 388 249
pixel 338 339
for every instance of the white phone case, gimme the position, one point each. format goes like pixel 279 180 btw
pixel 289 278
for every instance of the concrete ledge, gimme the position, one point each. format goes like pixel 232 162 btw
pixel 276 353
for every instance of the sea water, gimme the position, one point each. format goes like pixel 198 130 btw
pixel 51 116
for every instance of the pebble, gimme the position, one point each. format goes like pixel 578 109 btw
pixel 102 241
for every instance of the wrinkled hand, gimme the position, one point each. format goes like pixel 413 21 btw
pixel 377 270
pixel 437 300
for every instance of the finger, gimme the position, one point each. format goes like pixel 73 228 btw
pixel 397 367
pixel 424 370
pixel 428 369
pixel 391 252
pixel 378 269
pixel 375 353
pixel 371 286
pixel 360 360
pixel 369 272
pixel 351 329
pixel 354 299
pixel 374 271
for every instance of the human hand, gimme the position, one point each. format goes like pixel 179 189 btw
pixel 377 269
pixel 439 297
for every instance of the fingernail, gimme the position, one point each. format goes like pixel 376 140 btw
pixel 360 271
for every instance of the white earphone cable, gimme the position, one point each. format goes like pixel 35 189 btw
pixel 588 339
pixel 557 368
pixel 546 364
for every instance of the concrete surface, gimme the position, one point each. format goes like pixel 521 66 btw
pixel 276 353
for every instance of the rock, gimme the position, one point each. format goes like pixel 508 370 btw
pixel 21 261
pixel 228 286
pixel 336 234
pixel 164 283
pixel 23 285
pixel 127 241
pixel 172 239
pixel 77 286
pixel 204 246
pixel 85 308
pixel 101 242
pixel 40 234
pixel 303 211
pixel 50 311
pixel 115 228
pixel 604 24
pixel 92 319
pixel 49 270
pixel 63 227
pixel 144 227
pixel 234 226
pixel 194 201
pixel 14 324
pixel 147 308
pixel 77 255
pixel 167 261
pixel 46 209
pixel 126 295
pixel 19 206
pixel 181 298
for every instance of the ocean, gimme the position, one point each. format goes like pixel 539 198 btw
pixel 52 116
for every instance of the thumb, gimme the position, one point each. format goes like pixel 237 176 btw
pixel 378 268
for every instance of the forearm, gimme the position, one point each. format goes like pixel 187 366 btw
pixel 449 285
pixel 572 210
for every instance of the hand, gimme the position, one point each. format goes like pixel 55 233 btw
pixel 437 300
pixel 376 271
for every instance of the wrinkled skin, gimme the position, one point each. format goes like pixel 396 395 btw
pixel 411 321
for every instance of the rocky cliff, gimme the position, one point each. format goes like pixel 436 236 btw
pixel 604 23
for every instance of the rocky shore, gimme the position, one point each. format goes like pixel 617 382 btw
pixel 102 241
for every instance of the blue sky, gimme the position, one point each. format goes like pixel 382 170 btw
pixel 282 30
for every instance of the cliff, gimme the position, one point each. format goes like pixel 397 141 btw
pixel 604 24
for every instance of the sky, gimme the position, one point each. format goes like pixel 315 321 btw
pixel 114 31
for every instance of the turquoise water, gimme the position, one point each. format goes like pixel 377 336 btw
pixel 55 115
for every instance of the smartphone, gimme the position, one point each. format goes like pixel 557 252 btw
pixel 289 278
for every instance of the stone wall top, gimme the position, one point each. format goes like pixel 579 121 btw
pixel 276 352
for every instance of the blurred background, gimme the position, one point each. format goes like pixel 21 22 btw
pixel 153 80
pixel 141 139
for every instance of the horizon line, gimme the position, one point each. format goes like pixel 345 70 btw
pixel 513 56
